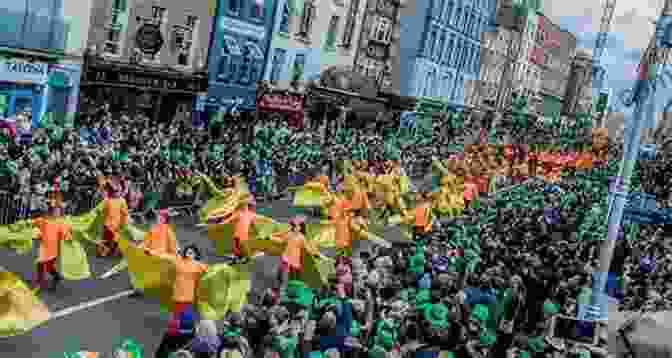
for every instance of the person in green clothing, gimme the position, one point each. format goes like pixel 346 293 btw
pixel 281 340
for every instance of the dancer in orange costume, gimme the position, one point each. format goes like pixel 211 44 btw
pixel 161 237
pixel 188 272
pixel 244 217
pixel 115 216
pixel 51 233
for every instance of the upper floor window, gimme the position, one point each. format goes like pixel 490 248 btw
pixel 184 40
pixel 350 23
pixel 114 40
pixel 464 21
pixel 437 51
pixel 278 63
pixel 437 5
pixel 284 21
pixel 298 69
pixel 382 29
pixel 229 58
pixel 449 49
pixel 159 17
pixel 448 11
pixel 234 6
pixel 330 42
pixel 307 19
pixel 429 46
pixel 455 20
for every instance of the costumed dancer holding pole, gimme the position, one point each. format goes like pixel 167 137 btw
pixel 115 216
pixel 51 232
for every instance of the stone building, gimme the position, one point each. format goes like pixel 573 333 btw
pixel 578 96
pixel 554 51
pixel 147 56
pixel 379 44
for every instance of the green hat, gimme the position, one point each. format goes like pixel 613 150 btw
pixel 551 309
pixel 132 348
pixel 524 354
pixel 487 339
pixel 480 313
pixel 536 344
pixel 437 315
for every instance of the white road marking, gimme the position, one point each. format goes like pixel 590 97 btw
pixel 89 304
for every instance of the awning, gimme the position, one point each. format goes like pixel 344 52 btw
pixel 254 51
pixel 231 46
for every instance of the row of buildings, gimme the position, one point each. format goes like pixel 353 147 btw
pixel 282 58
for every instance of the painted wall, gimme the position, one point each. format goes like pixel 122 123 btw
pixel 238 53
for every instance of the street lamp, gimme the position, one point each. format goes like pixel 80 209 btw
pixel 643 99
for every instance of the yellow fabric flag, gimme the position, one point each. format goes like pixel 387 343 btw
pixel 308 196
pixel 73 261
pixel 223 289
pixel 154 275
pixel 20 309
pixel 20 241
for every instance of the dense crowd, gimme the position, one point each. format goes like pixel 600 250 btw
pixel 530 262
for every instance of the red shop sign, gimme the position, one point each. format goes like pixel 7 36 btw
pixel 280 102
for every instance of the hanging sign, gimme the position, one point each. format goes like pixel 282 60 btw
pixel 14 71
pixel 280 102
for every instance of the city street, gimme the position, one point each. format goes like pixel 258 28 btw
pixel 100 326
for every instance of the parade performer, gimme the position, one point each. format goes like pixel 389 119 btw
pixel 301 257
pixel 21 309
pixel 51 233
pixel 357 194
pixel 239 226
pixel 161 238
pixel 220 200
pixel 115 217
pixel 418 220
pixel 449 198
pixel 312 193
pixel 183 284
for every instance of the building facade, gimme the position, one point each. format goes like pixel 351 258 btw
pixel 440 47
pixel 379 44
pixel 496 54
pixel 554 50
pixel 147 57
pixel 238 54
pixel 41 50
pixel 578 96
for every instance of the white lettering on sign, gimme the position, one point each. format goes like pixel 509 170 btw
pixel 27 68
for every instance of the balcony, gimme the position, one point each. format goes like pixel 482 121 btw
pixel 33 31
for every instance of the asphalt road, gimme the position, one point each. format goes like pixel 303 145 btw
pixel 100 327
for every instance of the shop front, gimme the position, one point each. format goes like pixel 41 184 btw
pixel 38 88
pixel 284 106
pixel 159 94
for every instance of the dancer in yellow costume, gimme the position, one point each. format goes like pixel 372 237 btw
pixel 448 200
pixel 240 227
pixel 221 200
pixel 20 309
pixel 183 281
pixel 418 220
